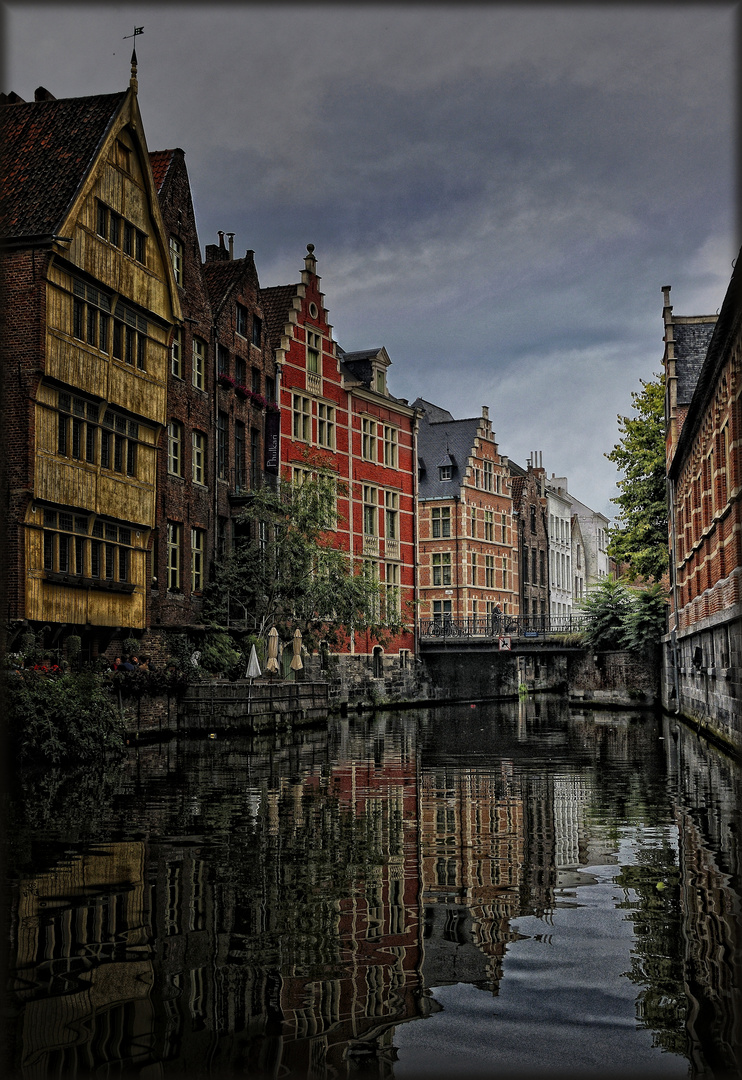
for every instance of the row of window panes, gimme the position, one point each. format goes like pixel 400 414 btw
pixel 441 569
pixel 302 421
pixel 121 233
pixel 440 523
pixel 198 363
pixel 534 566
pixel 379 442
pixel 373 499
pixel 92 322
pixel 242 320
pixel 68 549
pixel 486 479
pixel 174 560
pixel 175 436
pixel 79 436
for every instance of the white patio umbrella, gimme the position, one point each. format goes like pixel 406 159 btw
pixel 296 664
pixel 253 667
pixel 271 663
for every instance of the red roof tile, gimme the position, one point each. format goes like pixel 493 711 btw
pixel 160 161
pixel 276 304
pixel 47 150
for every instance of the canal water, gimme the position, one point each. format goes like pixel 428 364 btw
pixel 472 891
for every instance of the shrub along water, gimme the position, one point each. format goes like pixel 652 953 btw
pixel 62 718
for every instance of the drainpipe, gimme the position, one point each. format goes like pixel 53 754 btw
pixel 456 538
pixel 415 541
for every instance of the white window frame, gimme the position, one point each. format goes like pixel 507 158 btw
pixel 199 363
pixel 198 456
pixel 175 448
pixel 176 258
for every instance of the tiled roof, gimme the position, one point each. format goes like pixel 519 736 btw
pixel 221 276
pixel 517 487
pixel 276 304
pixel 46 151
pixel 691 345
pixel 160 161
pixel 454 438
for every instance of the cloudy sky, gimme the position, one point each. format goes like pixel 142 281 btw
pixel 495 193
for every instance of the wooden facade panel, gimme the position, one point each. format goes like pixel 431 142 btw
pixel 79 606
pixel 66 483
pixel 46 430
pixel 74 364
pixel 139 395
pixel 75 606
pixel 127 501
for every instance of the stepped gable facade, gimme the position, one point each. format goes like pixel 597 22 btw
pixel 531 520
pixel 90 301
pixel 468 566
pixel 703 401
pixel 338 418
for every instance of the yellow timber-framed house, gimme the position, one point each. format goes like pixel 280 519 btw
pixel 89 305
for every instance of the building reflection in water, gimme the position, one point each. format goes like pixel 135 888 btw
pixel 280 908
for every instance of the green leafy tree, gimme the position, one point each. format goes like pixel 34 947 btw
pixel 646 620
pixel 639 534
pixel 285 570
pixel 609 604
pixel 625 618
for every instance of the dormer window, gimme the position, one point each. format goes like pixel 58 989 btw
pixel 445 472
pixel 380 381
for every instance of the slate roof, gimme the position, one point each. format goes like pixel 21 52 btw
pixel 160 160
pixel 433 412
pixel 46 151
pixel 438 441
pixel 691 345
pixel 276 304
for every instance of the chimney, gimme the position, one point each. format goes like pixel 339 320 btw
pixel 230 237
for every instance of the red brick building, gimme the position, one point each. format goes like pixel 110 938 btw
pixel 703 371
pixel 220 393
pixel 468 568
pixel 531 517
pixel 338 417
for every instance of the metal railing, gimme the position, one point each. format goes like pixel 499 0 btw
pixel 494 626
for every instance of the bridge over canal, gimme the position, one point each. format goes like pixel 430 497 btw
pixel 504 633
pixel 489 658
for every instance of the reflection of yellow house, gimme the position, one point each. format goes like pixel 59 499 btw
pixel 82 972
pixel 91 340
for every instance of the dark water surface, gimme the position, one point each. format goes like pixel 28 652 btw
pixel 493 891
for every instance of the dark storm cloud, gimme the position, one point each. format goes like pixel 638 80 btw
pixel 496 192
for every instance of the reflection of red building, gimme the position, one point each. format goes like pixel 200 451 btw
pixel 376 951
pixel 473 849
pixel 338 418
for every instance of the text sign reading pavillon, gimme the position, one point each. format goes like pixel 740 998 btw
pixel 272 431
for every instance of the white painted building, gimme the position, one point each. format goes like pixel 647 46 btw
pixel 559 508
pixel 589 539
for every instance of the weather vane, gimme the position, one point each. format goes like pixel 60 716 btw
pixel 137 30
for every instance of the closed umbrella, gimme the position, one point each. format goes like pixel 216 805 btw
pixel 271 664
pixel 296 664
pixel 253 667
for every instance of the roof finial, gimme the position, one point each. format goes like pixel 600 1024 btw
pixel 133 83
